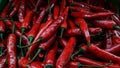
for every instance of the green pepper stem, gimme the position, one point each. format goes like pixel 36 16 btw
pixel 13 28
pixel 0 51
pixel 30 38
pixel 39 50
pixel 88 43
pixel 79 51
pixel 48 66
pixel 116 27
pixel 62 31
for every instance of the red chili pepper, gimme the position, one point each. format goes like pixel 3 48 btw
pixel 23 62
pixel 11 51
pixel 36 65
pixel 72 64
pixel 71 24
pixel 3 61
pixel 64 22
pixel 42 46
pixel 91 15
pixel 67 52
pixel 62 6
pixel 56 12
pixel 32 33
pixel 50 57
pixel 84 28
pixel 107 24
pixel 26 22
pixel 79 9
pixel 15 9
pixel 18 24
pixel 21 10
pixel 2 26
pixel 95 63
pixel 108 41
pixel 95 30
pixel 103 54
pixel 63 42
pixel 115 40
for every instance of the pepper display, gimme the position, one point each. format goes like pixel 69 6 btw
pixel 59 34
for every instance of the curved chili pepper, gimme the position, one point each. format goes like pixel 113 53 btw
pixel 3 61
pixel 67 52
pixel 63 42
pixel 107 24
pixel 21 10
pixel 87 61
pixel 91 15
pixel 43 46
pixel 56 12
pixel 62 6
pixel 50 57
pixel 84 29
pixel 103 54
pixel 18 24
pixel 22 62
pixel 95 30
pixel 64 22
pixel 71 24
pixel 32 33
pixel 72 64
pixel 15 9
pixel 11 51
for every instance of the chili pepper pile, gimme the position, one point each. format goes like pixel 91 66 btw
pixel 59 34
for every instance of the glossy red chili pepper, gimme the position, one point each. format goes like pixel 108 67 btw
pixel 25 24
pixel 63 42
pixel 62 6
pixel 23 62
pixel 91 15
pixel 108 41
pixel 42 46
pixel 107 24
pixel 37 5
pixel 67 52
pixel 50 57
pixel 36 65
pixel 56 12
pixel 11 51
pixel 87 61
pixel 84 28
pixel 14 10
pixel 103 54
pixel 115 40
pixel 32 33
pixel 2 26
pixel 3 61
pixel 79 9
pixel 72 64
pixel 21 10
pixel 95 30
pixel 64 25
pixel 18 24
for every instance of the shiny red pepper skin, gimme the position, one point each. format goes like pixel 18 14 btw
pixel 11 51
pixel 51 55
pixel 56 12
pixel 2 26
pixel 27 19
pixel 22 62
pixel 67 52
pixel 63 42
pixel 116 19
pixel 71 24
pixel 36 65
pixel 107 24
pixel 21 10
pixel 84 28
pixel 103 54
pixel 91 15
pixel 3 61
pixel 35 27
pixel 72 64
pixel 95 30
pixel 18 24
pixel 62 6
pixel 51 29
